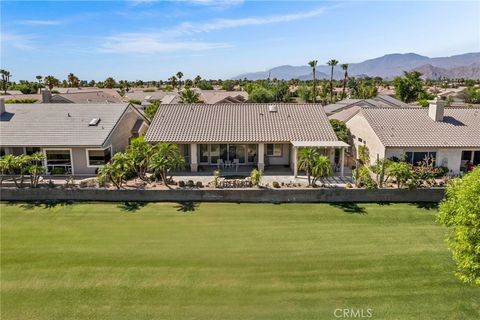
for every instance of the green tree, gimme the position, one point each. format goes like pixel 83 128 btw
pixel 460 212
pixel 179 76
pixel 321 168
pixel 340 129
pixel 345 77
pixel 5 79
pixel 115 171
pixel 228 85
pixel 306 161
pixel 472 95
pixel 305 93
pixel 140 152
pixel 409 87
pixel 261 95
pixel 173 81
pixel 166 159
pixel 332 63
pixel 313 65
pixel 402 172
pixel 109 83
pixel 196 81
pixel 189 96
pixel 151 110
pixel 204 85
pixel 73 80
pixel 35 168
pixel 51 82
pixel 256 177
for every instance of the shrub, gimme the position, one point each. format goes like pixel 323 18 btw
pixel 181 184
pixel 349 185
pixel 401 171
pixel 58 170
pixel 29 100
pixel 199 184
pixel 363 179
pixel 190 184
pixel 149 90
pixel 275 184
pixel 256 176
pixel 135 101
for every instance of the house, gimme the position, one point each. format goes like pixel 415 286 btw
pixel 221 96
pixel 81 96
pixel 75 138
pixel 263 135
pixel 381 101
pixel 450 136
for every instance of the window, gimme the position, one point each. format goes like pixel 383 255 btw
pixel 360 140
pixel 2 151
pixel 415 158
pixel 252 153
pixel 470 155
pixel 99 157
pixel 203 153
pixel 31 150
pixel 17 151
pixel 274 150
pixel 58 161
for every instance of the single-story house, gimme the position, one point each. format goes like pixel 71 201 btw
pixel 380 101
pixel 247 134
pixel 449 135
pixel 76 138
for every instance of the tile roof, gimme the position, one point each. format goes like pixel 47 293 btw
pixel 58 124
pixel 86 97
pixel 345 114
pixel 412 127
pixel 219 96
pixel 245 122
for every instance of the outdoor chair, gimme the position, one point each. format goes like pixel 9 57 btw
pixel 220 163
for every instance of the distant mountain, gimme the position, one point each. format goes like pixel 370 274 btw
pixel 389 66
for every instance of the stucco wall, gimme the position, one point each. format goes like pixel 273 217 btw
pixel 360 128
pixel 79 156
pixel 120 136
pixel 231 195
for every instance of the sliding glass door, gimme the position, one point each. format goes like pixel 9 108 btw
pixel 211 153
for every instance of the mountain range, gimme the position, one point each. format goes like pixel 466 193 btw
pixel 388 66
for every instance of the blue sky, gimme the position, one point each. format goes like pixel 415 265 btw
pixel 151 40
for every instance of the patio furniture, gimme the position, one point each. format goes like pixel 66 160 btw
pixel 228 164
pixel 220 164
pixel 236 163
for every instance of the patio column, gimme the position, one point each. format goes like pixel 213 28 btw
pixel 193 157
pixel 295 159
pixel 342 161
pixel 261 152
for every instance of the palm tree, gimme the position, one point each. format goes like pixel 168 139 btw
pixel 189 96
pixel 173 81
pixel 313 65
pixel 51 81
pixel 5 79
pixel 306 161
pixel 345 68
pixel 321 168
pixel 196 80
pixel 332 63
pixel 179 76
pixel 166 159
pixel 72 80
pixel 10 165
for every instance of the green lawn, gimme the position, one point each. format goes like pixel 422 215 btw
pixel 227 261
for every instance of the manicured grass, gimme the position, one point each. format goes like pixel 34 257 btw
pixel 227 261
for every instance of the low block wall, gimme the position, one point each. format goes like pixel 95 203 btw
pixel 222 195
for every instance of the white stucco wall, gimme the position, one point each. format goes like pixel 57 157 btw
pixel 283 160
pixel 360 128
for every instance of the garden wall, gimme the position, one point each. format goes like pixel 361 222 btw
pixel 224 195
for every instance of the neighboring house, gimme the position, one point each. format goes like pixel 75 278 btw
pixel 75 138
pixel 248 134
pixel 451 135
pixel 79 97
pixel 380 101
pixel 221 96
pixel 147 97
pixel 21 96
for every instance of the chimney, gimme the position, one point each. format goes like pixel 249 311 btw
pixel 46 96
pixel 436 109
pixel 2 106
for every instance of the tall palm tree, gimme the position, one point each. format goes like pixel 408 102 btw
pixel 5 79
pixel 321 168
pixel 306 161
pixel 332 63
pixel 313 65
pixel 173 81
pixel 179 76
pixel 345 68
pixel 196 81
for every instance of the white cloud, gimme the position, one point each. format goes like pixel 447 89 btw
pixel 41 22
pixel 19 41
pixel 174 39
pixel 149 44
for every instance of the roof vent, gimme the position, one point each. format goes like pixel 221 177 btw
pixel 272 108
pixel 94 122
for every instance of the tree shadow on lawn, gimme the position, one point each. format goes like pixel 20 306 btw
pixel 349 207
pixel 131 206
pixel 187 206
pixel 426 205
pixel 38 204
